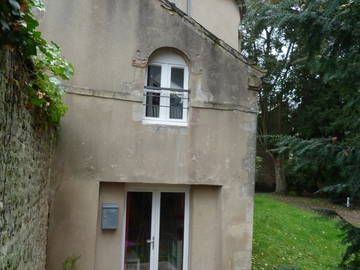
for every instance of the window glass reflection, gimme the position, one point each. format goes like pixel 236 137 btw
pixel 152 104
pixel 154 76
pixel 171 231
pixel 176 106
pixel 177 78
pixel 138 230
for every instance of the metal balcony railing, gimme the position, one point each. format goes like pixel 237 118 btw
pixel 172 99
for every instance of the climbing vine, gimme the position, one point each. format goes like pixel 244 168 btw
pixel 43 61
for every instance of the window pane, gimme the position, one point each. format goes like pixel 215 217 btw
pixel 176 106
pixel 154 76
pixel 177 78
pixel 152 104
pixel 138 231
pixel 171 231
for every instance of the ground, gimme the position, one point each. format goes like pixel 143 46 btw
pixel 313 203
pixel 287 231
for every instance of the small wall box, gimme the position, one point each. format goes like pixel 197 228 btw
pixel 110 216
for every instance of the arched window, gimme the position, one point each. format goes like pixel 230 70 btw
pixel 166 89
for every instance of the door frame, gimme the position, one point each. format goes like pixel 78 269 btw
pixel 156 191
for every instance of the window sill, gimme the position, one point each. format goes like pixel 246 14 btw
pixel 164 122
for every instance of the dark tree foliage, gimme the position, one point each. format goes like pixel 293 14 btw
pixel 313 63
pixel 268 49
pixel 338 163
pixel 351 258
pixel 311 50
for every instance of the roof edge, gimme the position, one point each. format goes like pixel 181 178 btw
pixel 172 7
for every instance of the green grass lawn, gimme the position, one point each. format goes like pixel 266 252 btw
pixel 286 235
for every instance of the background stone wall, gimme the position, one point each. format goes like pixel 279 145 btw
pixel 25 158
pixel 265 175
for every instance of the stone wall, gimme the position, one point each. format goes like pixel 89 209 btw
pixel 265 176
pixel 25 157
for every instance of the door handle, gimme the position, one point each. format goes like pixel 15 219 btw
pixel 151 241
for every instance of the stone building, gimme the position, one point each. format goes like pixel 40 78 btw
pixel 154 166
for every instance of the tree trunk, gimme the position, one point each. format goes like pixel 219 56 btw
pixel 280 180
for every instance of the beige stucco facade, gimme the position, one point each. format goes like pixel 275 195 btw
pixel 104 146
pixel 221 17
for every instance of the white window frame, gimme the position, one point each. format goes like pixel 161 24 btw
pixel 167 61
pixel 155 219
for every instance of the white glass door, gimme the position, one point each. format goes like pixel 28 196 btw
pixel 156 236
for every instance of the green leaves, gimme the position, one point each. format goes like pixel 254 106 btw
pixel 351 258
pixel 49 56
pixel 322 70
pixel 47 91
pixel 15 7
pixel 333 166
pixel 18 30
pixel 70 263
pixel 4 25
pixel 313 91
pixel 320 84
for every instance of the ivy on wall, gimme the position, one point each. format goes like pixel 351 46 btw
pixel 43 61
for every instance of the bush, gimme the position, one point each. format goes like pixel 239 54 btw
pixel 330 166
pixel 42 59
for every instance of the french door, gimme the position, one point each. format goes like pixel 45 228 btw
pixel 156 231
